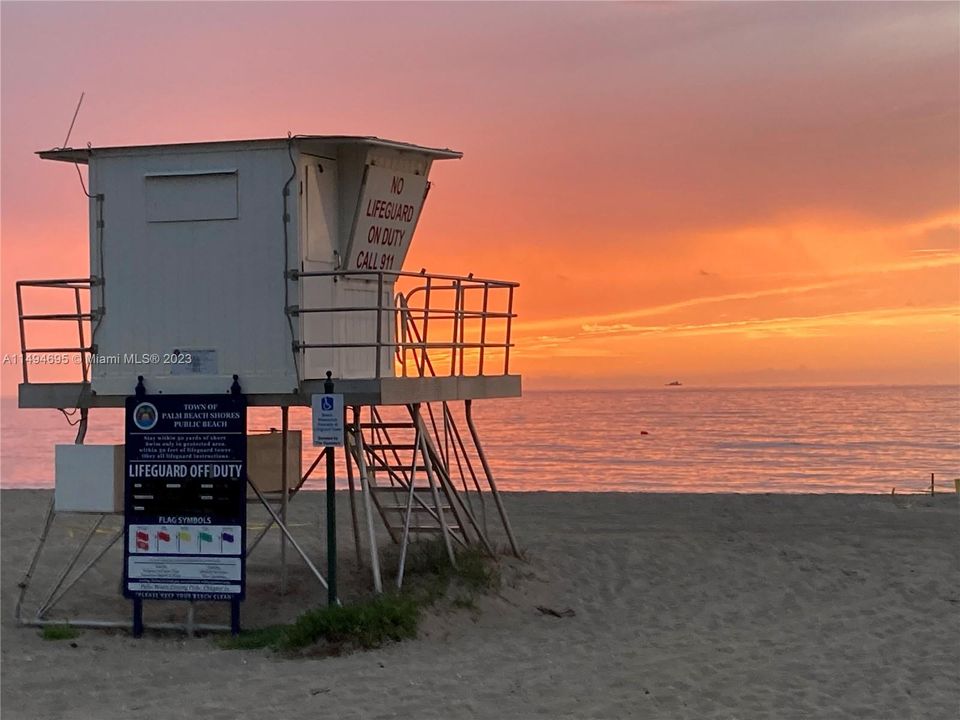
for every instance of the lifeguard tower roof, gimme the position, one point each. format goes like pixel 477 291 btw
pixel 82 155
pixel 275 260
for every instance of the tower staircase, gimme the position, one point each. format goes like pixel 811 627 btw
pixel 410 471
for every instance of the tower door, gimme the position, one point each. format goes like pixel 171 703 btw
pixel 319 243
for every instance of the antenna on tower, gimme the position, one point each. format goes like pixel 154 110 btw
pixel 75 113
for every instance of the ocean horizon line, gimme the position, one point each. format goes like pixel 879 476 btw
pixel 696 386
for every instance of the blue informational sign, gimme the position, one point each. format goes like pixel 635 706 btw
pixel 185 497
pixel 328 420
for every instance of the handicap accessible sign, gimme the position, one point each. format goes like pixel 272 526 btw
pixel 328 420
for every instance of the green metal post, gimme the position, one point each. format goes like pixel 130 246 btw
pixel 331 513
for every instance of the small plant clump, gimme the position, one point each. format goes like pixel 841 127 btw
pixel 366 624
pixel 429 573
pixel 59 632
pixel 267 637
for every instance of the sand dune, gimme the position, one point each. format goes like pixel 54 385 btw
pixel 687 606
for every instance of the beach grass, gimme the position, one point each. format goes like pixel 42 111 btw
pixel 367 624
pixel 391 617
pixel 255 639
pixel 59 632
pixel 428 570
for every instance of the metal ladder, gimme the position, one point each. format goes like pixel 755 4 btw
pixel 414 497
pixel 407 480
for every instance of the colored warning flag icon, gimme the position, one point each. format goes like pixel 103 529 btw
pixel 183 535
pixel 164 535
pixel 141 535
pixel 205 537
pixel 143 545
pixel 227 537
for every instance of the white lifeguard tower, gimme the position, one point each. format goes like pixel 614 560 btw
pixel 272 262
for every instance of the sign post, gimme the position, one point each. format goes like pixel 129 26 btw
pixel 328 432
pixel 185 508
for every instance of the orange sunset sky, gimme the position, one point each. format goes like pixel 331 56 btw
pixel 761 193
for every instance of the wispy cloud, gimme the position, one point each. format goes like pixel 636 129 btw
pixel 796 325
pixel 597 341
pixel 932 260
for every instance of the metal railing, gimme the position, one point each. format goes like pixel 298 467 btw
pixel 462 306
pixel 439 322
pixel 28 355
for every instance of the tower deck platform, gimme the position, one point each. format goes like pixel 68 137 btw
pixel 372 391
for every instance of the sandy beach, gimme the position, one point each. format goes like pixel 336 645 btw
pixel 686 606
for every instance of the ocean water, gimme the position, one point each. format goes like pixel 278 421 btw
pixel 671 439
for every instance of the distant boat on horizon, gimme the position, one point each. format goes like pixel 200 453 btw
pixel 675 383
